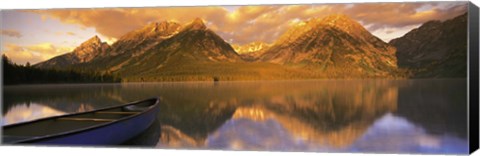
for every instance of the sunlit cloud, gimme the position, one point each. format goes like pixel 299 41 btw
pixel 109 40
pixel 389 33
pixel 11 33
pixel 71 33
pixel 23 113
pixel 116 22
pixel 33 53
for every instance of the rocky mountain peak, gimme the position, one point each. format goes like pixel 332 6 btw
pixel 344 23
pixel 156 27
pixel 92 41
pixel 195 43
pixel 333 44
pixel 337 18
pixel 197 24
pixel 141 39
pixel 90 48
pixel 336 21
pixel 153 29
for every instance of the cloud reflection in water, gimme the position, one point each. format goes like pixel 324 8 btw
pixel 24 112
pixel 396 134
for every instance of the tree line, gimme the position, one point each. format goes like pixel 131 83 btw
pixel 26 74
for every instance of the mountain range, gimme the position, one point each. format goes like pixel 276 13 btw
pixel 335 46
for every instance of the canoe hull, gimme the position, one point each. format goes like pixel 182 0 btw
pixel 112 134
pixel 107 134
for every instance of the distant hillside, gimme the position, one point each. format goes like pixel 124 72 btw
pixel 435 49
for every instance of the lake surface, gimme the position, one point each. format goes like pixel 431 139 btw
pixel 367 116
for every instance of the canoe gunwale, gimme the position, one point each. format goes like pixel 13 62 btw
pixel 43 137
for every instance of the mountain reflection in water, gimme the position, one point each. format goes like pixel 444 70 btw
pixel 387 116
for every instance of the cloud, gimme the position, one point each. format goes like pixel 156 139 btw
pixel 116 22
pixel 109 40
pixel 33 53
pixel 11 33
pixel 258 23
pixel 403 14
pixel 71 33
pixel 62 33
pixel 392 32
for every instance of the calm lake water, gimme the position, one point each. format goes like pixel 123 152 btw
pixel 368 116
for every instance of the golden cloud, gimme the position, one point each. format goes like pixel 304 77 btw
pixel 257 23
pixel 11 33
pixel 71 33
pixel 116 22
pixel 33 53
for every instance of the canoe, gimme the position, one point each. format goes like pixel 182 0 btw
pixel 107 126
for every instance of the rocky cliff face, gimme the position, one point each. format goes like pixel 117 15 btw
pixel 435 49
pixel 87 51
pixel 336 45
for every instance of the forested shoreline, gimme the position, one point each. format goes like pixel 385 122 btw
pixel 14 74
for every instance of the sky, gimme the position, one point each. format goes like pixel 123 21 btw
pixel 38 35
